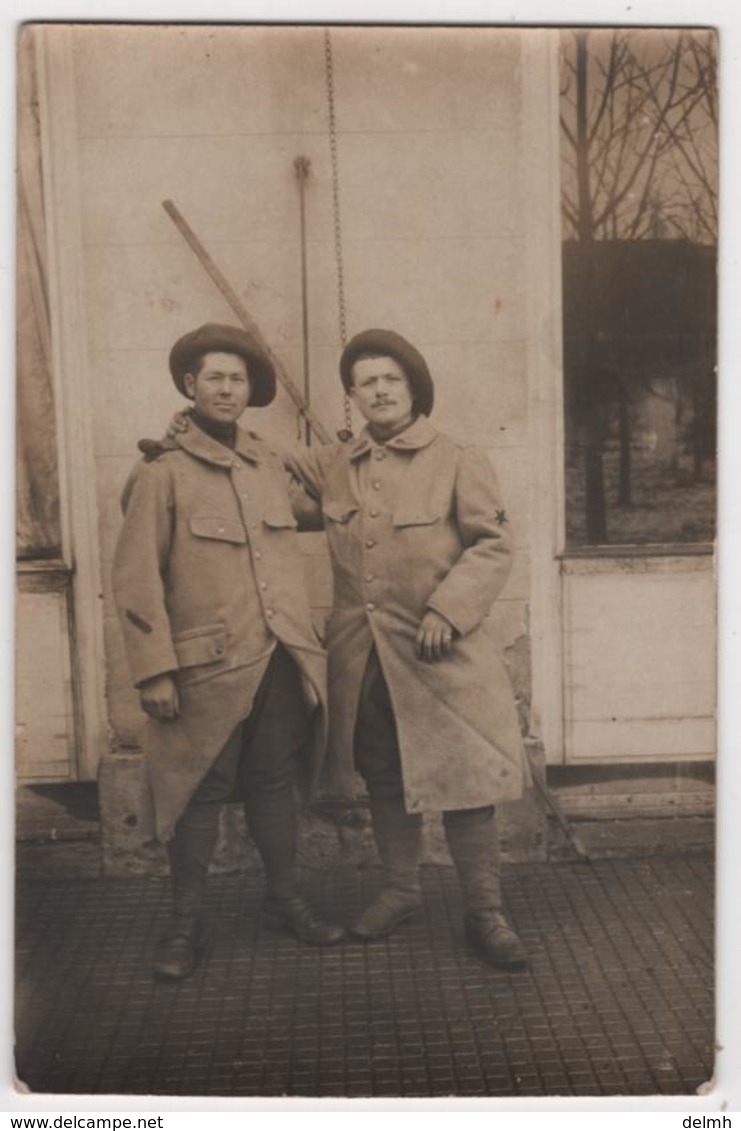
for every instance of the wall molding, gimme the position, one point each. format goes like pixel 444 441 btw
pixel 540 182
pixel 80 530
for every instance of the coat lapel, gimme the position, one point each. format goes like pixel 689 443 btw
pixel 202 446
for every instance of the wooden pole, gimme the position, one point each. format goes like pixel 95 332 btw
pixel 235 302
pixel 302 166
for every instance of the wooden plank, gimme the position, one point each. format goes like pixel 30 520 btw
pixel 45 718
pixel 621 806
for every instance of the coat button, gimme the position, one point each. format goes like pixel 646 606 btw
pixel 374 513
pixel 237 464
pixel 258 555
pixel 263 584
pixel 370 576
pixel 380 454
pixel 370 543
pixel 221 530
pixel 370 606
pixel 376 484
pixel 269 613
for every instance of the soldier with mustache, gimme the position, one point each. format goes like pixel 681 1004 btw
pixel 419 699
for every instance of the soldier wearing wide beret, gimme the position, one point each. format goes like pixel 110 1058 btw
pixel 419 699
pixel 387 343
pixel 214 337
pixel 210 589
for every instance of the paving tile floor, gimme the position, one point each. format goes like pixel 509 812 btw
pixel 619 999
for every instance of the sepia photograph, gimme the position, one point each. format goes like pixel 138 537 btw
pixel 380 361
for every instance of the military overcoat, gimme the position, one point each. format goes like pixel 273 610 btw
pixel 412 525
pixel 207 576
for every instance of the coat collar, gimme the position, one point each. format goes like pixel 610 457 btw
pixel 197 443
pixel 419 434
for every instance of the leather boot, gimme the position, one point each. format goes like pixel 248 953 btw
pixel 492 936
pixel 272 821
pixel 190 852
pixel 398 836
pixel 473 840
pixel 296 915
pixel 177 951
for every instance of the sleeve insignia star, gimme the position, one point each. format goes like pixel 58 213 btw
pixel 501 518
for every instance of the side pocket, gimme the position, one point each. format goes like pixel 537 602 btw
pixel 201 646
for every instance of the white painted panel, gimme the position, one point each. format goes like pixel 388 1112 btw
pixel 651 739
pixel 639 678
pixel 45 731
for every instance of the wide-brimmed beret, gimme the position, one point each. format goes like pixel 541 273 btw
pixel 215 338
pixel 387 343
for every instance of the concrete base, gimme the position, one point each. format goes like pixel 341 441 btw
pixel 657 836
pixel 326 835
pixel 78 830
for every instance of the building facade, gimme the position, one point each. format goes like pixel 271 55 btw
pixel 431 206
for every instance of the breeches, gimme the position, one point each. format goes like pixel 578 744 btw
pixel 377 754
pixel 256 767
pixel 260 755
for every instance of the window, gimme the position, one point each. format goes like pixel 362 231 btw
pixel 639 191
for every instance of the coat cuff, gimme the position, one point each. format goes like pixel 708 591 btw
pixel 151 657
pixel 462 620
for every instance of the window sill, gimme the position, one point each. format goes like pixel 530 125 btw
pixel 648 550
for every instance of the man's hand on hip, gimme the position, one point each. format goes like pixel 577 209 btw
pixel 159 698
pixel 434 638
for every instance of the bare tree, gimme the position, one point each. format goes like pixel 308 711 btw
pixel 639 159
pixel 649 136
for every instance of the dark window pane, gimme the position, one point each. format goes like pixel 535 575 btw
pixel 639 179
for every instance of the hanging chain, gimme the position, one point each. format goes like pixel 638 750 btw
pixel 302 165
pixel 334 157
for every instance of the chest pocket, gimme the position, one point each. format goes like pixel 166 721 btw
pixel 279 519
pixel 218 529
pixel 416 516
pixel 339 511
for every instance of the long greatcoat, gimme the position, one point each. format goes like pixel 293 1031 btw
pixel 412 525
pixel 207 576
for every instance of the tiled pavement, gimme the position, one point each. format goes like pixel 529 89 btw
pixel 619 999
